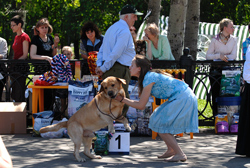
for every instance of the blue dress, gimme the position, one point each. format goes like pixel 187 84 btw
pixel 177 115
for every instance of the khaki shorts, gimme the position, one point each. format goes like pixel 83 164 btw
pixel 120 71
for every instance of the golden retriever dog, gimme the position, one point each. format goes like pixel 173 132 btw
pixel 97 114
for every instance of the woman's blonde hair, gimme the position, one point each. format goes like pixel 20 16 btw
pixel 224 23
pixel 66 48
pixel 43 22
pixel 153 29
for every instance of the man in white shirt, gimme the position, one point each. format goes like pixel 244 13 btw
pixel 118 50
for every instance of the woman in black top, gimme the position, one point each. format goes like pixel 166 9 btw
pixel 44 48
pixel 42 45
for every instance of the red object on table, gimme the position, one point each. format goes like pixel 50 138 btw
pixel 92 61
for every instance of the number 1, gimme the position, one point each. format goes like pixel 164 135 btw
pixel 119 141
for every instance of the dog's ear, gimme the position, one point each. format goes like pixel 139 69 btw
pixel 102 88
pixel 123 81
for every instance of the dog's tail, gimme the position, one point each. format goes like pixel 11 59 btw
pixel 54 127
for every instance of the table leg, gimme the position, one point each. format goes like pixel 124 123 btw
pixel 41 100
pixel 34 103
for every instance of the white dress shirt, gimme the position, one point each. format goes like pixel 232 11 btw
pixel 117 46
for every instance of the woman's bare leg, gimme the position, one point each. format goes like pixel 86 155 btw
pixel 171 142
pixel 170 152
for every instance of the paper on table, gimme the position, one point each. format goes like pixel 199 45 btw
pixel 221 60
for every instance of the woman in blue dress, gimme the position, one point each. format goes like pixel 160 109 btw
pixel 178 114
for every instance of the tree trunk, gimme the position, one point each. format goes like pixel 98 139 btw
pixel 76 49
pixel 192 26
pixel 155 7
pixel 177 17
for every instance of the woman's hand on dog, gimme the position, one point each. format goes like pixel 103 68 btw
pixel 119 98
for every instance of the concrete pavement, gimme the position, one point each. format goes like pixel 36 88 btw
pixel 205 150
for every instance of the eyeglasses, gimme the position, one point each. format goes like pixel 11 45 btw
pixel 12 25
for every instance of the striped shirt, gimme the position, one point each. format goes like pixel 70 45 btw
pixel 61 68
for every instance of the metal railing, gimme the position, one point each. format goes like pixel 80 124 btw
pixel 13 70
pixel 196 75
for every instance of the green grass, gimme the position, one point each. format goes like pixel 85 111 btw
pixel 208 112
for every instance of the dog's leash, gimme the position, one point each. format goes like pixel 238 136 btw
pixel 112 115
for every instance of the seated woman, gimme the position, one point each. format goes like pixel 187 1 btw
pixel 223 47
pixel 91 39
pixel 158 46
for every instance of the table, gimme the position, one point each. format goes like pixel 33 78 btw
pixel 38 96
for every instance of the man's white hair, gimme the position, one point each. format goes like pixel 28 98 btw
pixel 122 16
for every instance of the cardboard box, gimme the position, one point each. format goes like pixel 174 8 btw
pixel 13 118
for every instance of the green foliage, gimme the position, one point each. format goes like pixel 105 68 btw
pixel 214 10
pixel 243 12
pixel 165 7
pixel 68 16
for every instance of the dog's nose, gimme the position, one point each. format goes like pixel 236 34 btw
pixel 111 93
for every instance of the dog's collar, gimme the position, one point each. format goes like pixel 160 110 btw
pixel 111 114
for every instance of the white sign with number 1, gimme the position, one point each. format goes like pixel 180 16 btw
pixel 120 142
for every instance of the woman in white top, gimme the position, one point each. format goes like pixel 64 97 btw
pixel 243 147
pixel 222 47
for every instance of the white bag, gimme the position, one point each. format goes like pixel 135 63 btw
pixel 55 134
pixel 42 119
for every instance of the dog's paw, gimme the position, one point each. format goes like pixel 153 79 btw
pixel 128 129
pixel 112 131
